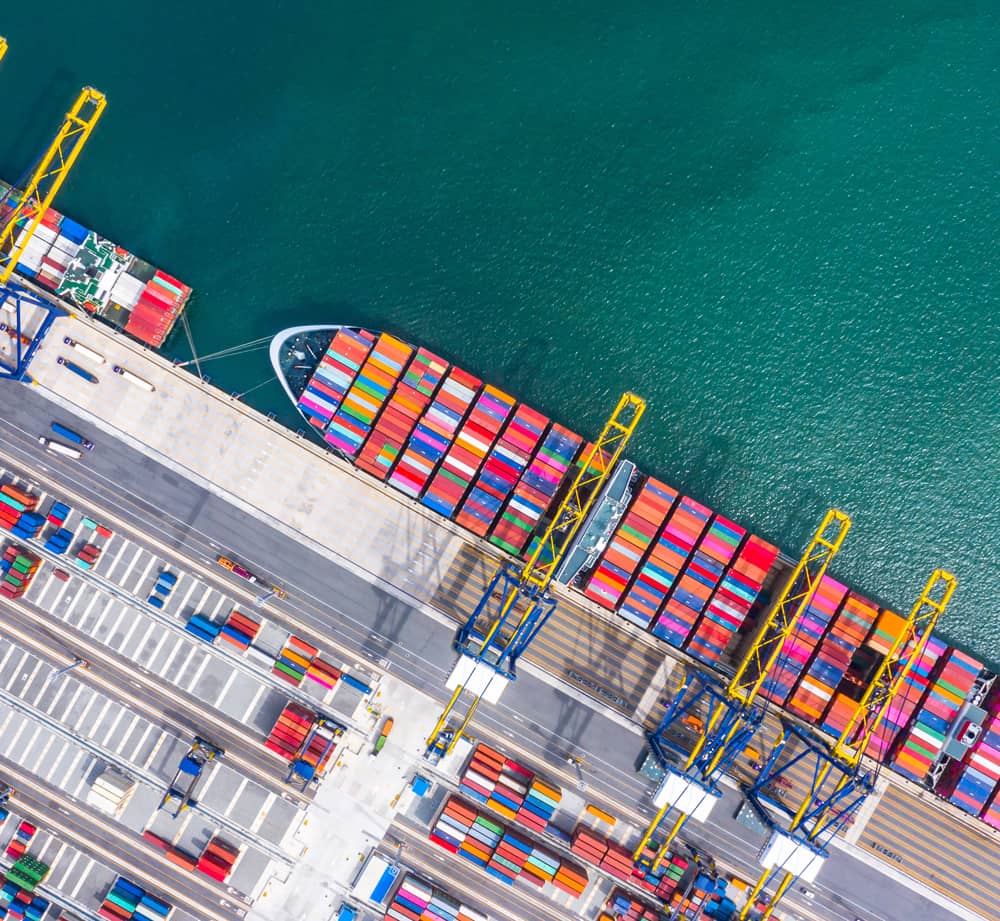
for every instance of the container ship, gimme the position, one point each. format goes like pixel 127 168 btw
pixel 662 561
pixel 91 273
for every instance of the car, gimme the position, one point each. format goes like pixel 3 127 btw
pixel 807 893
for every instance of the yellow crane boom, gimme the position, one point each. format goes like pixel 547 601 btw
pixel 47 177
pixel 760 658
pixel 537 573
pixel 850 747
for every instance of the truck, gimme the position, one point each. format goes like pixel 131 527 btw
pixel 72 436
pixel 86 352
pixel 133 379
pixel 55 447
pixel 313 755
pixel 383 736
pixel 243 573
pixel 77 370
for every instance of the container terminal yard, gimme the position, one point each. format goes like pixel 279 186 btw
pixel 228 673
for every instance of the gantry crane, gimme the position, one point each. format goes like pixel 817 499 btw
pixel 516 603
pixel 731 714
pixel 25 204
pixel 799 850
pixel 180 790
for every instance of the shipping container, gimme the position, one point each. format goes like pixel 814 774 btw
pixel 368 393
pixel 535 489
pixel 473 440
pixel 434 432
pixel 628 549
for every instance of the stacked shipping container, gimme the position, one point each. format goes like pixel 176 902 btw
pixel 464 458
pixel 986 758
pixel 418 900
pixel 218 859
pixel 797 649
pixel 334 375
pixel 17 569
pixel 622 906
pixel 98 275
pixel 17 895
pixel 400 416
pixel 628 547
pixel 500 472
pixel 505 854
pixel 731 602
pixel 127 900
pixel 680 534
pixel 915 686
pixel 535 490
pixel 434 433
pixel 509 788
pixel 352 423
pixel 848 630
pixel 920 746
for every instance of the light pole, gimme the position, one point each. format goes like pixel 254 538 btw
pixel 577 764
pixel 66 669
pixel 261 600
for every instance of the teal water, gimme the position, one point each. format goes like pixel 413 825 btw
pixel 774 222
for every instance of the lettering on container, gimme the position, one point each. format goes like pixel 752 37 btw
pixel 598 689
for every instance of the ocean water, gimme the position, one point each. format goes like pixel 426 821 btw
pixel 776 222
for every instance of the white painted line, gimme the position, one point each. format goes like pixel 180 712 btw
pixel 182 650
pixel 265 811
pixel 252 706
pixel 139 552
pixel 116 559
pixel 100 716
pixel 40 757
pixel 164 636
pixel 3 661
pixel 99 631
pixel 223 604
pixel 142 741
pixel 187 595
pixel 205 660
pixel 84 876
pixel 154 563
pixel 10 743
pixel 78 755
pixel 113 728
pixel 225 688
pixel 128 633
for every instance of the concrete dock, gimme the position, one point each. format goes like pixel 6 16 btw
pixel 187 472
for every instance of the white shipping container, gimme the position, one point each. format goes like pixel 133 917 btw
pixel 127 290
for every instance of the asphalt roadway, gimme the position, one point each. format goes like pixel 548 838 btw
pixel 541 721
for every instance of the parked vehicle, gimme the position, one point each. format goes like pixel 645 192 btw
pixel 248 576
pixel 70 435
pixel 86 352
pixel 133 378
pixel 76 369
pixel 54 447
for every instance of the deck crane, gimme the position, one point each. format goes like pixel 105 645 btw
pixel 516 603
pixel 731 714
pixel 22 208
pixel 799 851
